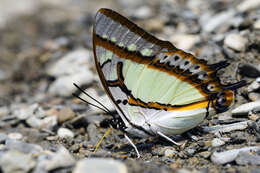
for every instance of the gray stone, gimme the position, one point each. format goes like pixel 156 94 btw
pixel 244 109
pixel 100 165
pixel 72 68
pixel 245 158
pixel 60 159
pixel 45 123
pixel 25 112
pixel 253 86
pixel 213 22
pixel 3 138
pixel 230 155
pixel 17 162
pixel 236 42
pixel 227 128
pixel 23 147
pixel 65 133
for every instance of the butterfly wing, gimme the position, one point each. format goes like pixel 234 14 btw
pixel 138 70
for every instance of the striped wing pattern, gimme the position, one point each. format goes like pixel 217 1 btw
pixel 138 69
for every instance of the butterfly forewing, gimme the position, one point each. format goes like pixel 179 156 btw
pixel 141 73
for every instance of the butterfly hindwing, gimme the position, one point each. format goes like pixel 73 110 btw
pixel 140 70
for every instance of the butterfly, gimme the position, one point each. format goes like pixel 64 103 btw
pixel 157 89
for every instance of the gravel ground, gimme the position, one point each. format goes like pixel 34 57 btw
pixel 46 46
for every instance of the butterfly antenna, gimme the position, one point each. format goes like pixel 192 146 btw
pixel 102 139
pixel 75 95
pixel 103 108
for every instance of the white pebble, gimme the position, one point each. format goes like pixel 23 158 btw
pixel 65 133
pixel 253 86
pixel 184 41
pixel 236 42
pixel 143 12
pixel 15 136
pixel 257 24
pixel 216 142
pixel 100 165
pixel 227 128
pixel 247 5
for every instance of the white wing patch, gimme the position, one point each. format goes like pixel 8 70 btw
pixel 150 85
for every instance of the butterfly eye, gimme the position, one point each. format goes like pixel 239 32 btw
pixel 210 87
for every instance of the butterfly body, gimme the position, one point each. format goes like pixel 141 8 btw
pixel 156 87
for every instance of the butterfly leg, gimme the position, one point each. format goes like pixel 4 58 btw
pixel 168 139
pixel 133 145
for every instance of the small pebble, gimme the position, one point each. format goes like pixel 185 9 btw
pixel 257 24
pixel 227 128
pixel 23 147
pixel 65 114
pixel 211 23
pixel 65 133
pixel 247 5
pixel 15 136
pixel 216 142
pixel 236 42
pixel 29 111
pixel 3 138
pixel 253 96
pixel 143 12
pixel 154 24
pixel 61 159
pixel 190 151
pixel 169 153
pixel 184 41
pixel 253 86
pixel 244 109
pixel 100 165
pixel 205 154
pixel 75 148
pixel 183 170
pixel 45 123
pixel 253 116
